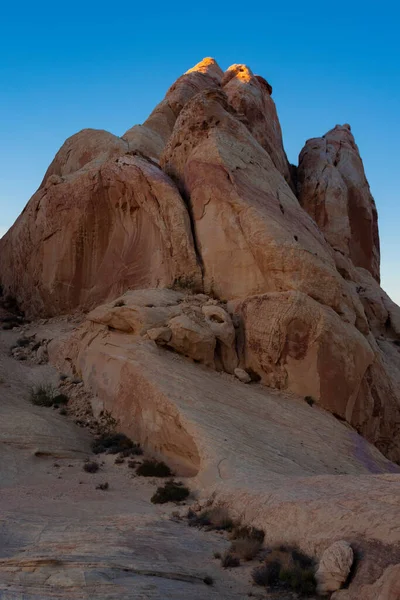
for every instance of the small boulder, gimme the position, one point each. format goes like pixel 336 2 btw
pixel 242 375
pixel 160 335
pixel 334 567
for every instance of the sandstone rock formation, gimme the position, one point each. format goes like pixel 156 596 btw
pixel 192 325
pixel 91 234
pixel 333 189
pixel 204 264
pixel 334 567
pixel 200 197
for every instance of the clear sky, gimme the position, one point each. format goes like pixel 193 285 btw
pixel 67 66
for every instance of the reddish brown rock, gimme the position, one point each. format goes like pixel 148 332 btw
pixel 333 189
pixel 250 96
pixel 95 234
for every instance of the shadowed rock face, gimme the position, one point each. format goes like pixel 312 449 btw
pixel 333 189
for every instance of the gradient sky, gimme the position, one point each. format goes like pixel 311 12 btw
pixel 67 66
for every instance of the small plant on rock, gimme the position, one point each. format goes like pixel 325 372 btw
pixel 245 548
pixel 229 560
pixel 287 568
pixel 171 491
pixel 216 518
pixel 153 468
pixel 112 443
pixel 91 466
pixel 42 395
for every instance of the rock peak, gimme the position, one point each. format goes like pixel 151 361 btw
pixel 207 66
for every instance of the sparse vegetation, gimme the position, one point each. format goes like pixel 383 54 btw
pixel 310 400
pixel 60 399
pixel 229 560
pixel 119 460
pixel 244 531
pixel 208 580
pixel 153 468
pixel 113 443
pixel 245 548
pixel 91 466
pixel 22 342
pixel 171 491
pixel 287 568
pixel 217 555
pixel 107 423
pixel 42 395
pixel 214 518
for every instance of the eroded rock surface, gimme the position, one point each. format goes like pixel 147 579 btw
pixel 93 234
pixel 333 189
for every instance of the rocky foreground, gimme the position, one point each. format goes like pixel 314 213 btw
pixel 229 318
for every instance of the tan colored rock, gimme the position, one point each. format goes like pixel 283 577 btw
pixel 151 137
pixel 138 311
pixel 192 338
pixel 99 232
pixel 160 335
pixel 295 343
pixel 242 375
pixel 334 567
pixel 251 232
pixel 85 150
pixel 251 97
pixel 222 327
pixel 387 587
pixel 333 189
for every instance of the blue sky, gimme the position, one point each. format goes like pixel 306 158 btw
pixel 66 66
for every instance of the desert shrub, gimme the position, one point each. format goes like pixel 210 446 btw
pixel 153 468
pixel 208 580
pixel 286 567
pixel 119 460
pixel 107 423
pixel 91 466
pixel 171 491
pixel 102 486
pixel 42 395
pixel 119 303
pixel 310 400
pixel 229 560
pixel 214 518
pixel 217 555
pixel 22 342
pixel 245 548
pixel 112 443
pixel 245 531
pixel 60 399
